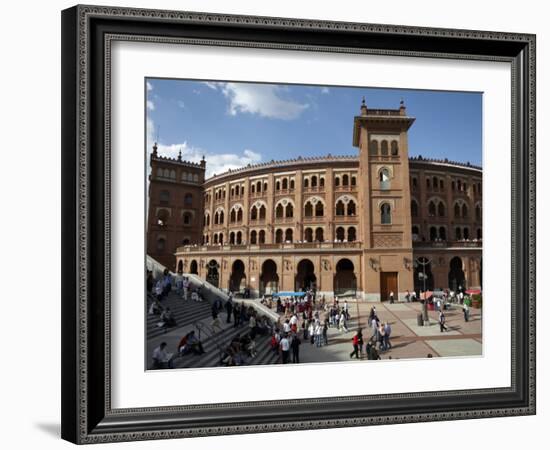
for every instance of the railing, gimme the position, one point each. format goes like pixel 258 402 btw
pixel 284 219
pixel 274 246
pixel 449 244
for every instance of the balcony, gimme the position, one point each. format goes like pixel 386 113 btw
pixel 287 247
pixel 449 244
pixel 284 219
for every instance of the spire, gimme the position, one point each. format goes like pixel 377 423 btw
pixel 155 148
pixel 179 155
pixel 402 108
pixel 203 161
pixel 363 107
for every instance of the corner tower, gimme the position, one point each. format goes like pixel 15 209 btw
pixel 384 201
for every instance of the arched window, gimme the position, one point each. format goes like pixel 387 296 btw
pixel 239 239
pixel 285 183
pixel 478 233
pixel 288 235
pixel 232 192
pixel 232 238
pixel 215 238
pixel 308 235
pixel 457 210
pixel 431 209
pixel 262 237
pixel 394 148
pixel 415 232
pixel 265 186
pixel 237 190
pixel 384 178
pixel 289 210
pixel 352 234
pixel 173 174
pixel 239 215
pixel 279 211
pixel 337 181
pixel 188 199
pixel 433 233
pixel 441 184
pixel 306 182
pixel 161 244
pixel 478 212
pixel 322 181
pixel 253 188
pixel 221 217
pixel 458 234
pixel 221 239
pixel 428 183
pixel 196 178
pixel 340 234
pixel 464 210
pixel 216 219
pixel 232 216
pixel 308 210
pixel 373 147
pixel 442 233
pixel 164 197
pixel 259 186
pixel 313 181
pixel 278 186
pixel 207 220
pixel 345 180
pixel 162 217
pixel 319 235
pixel 319 209
pixel 340 208
pixel 351 208
pixel 262 212
pixel 452 185
pixel 159 172
pixel 414 208
pixel 384 148
pixel 353 181
pixel 466 233
pixel 441 209
pixel 385 214
pixel 187 218
pixel 435 182
pixel 291 184
pixel 254 213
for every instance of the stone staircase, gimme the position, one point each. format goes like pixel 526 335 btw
pixel 186 312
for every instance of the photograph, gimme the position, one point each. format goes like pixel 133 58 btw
pixel 296 224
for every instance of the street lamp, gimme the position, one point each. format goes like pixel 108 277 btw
pixel 422 275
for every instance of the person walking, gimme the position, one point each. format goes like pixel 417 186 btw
pixel 466 310
pixel 408 296
pixel 295 346
pixel 357 341
pixel 387 334
pixel 391 297
pixel 284 345
pixel 342 325
pixel 318 334
pixel 442 326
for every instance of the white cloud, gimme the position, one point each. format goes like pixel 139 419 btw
pixel 150 105
pixel 181 104
pixel 149 86
pixel 262 99
pixel 325 90
pixel 213 85
pixel 216 162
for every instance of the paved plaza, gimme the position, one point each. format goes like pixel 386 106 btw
pixel 408 339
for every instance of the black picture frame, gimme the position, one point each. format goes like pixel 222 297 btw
pixel 87 416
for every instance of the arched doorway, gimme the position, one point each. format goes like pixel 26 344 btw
pixel 345 282
pixel 213 276
pixel 423 277
pixel 180 266
pixel 194 267
pixel 237 280
pixel 305 276
pixel 269 280
pixel 456 275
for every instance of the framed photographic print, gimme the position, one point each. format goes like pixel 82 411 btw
pixel 258 212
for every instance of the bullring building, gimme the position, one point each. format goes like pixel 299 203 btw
pixel 363 225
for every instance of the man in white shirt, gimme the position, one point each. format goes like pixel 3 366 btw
pixel 284 345
pixel 161 358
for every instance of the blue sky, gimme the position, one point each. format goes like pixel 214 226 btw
pixel 234 124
